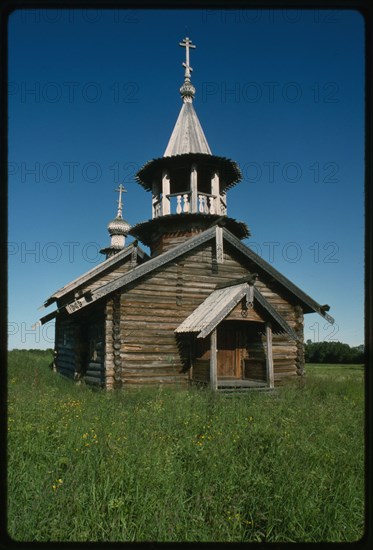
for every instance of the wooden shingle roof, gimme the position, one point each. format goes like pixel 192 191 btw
pixel 206 317
pixel 107 264
pixel 187 135
pixel 229 170
pixel 307 303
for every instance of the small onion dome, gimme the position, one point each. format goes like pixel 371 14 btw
pixel 118 226
pixel 187 90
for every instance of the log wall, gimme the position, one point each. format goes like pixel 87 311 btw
pixel 170 240
pixel 139 344
pixel 94 373
pixel 80 349
pixel 67 362
pixel 255 363
pixel 152 308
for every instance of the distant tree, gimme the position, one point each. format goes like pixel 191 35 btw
pixel 332 352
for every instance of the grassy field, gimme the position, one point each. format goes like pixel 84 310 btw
pixel 174 465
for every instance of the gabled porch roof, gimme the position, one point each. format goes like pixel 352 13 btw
pixel 215 308
pixel 218 305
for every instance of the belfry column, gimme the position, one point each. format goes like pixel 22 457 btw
pixel 194 188
pixel 155 199
pixel 215 190
pixel 166 205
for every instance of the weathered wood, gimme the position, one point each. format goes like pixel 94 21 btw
pixel 95 374
pixel 213 360
pixel 175 380
pixel 93 381
pixel 65 364
pixel 139 341
pixel 95 367
pixel 269 358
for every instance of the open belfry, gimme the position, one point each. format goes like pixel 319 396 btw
pixel 202 308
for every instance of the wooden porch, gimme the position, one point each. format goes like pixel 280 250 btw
pixel 237 383
pixel 242 387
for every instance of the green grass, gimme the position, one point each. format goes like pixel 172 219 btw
pixel 176 465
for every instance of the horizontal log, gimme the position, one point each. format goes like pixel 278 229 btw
pixel 66 372
pixel 95 366
pixel 143 364
pixel 150 347
pixel 68 348
pixel 285 373
pixel 150 324
pixel 150 371
pixel 65 364
pixel 94 374
pixel 155 380
pixel 283 357
pixel 165 337
pixel 93 381
pixel 279 370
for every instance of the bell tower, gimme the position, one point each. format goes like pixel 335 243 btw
pixel 188 184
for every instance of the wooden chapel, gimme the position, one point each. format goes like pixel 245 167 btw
pixel 202 307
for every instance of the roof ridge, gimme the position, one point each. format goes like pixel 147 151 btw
pixel 274 313
pixel 270 270
pixel 190 244
pixel 102 266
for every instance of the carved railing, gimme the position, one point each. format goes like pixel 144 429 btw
pixel 157 208
pixel 206 203
pixel 223 206
pixel 181 203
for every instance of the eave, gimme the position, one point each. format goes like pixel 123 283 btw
pixel 229 171
pixel 296 294
pixel 95 271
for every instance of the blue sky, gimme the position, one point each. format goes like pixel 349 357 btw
pixel 94 95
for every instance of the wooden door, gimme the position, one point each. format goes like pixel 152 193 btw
pixel 229 364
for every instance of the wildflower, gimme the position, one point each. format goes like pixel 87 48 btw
pixel 57 484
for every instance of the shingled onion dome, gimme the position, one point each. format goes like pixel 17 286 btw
pixel 118 226
pixel 118 229
pixel 187 91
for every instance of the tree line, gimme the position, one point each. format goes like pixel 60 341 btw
pixel 333 352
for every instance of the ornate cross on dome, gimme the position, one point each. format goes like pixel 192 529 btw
pixel 187 43
pixel 121 190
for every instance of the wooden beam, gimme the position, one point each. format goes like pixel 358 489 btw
pixel 155 197
pixel 250 279
pixel 213 361
pixel 166 205
pixel 216 192
pixel 269 356
pixel 219 244
pixel 194 189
